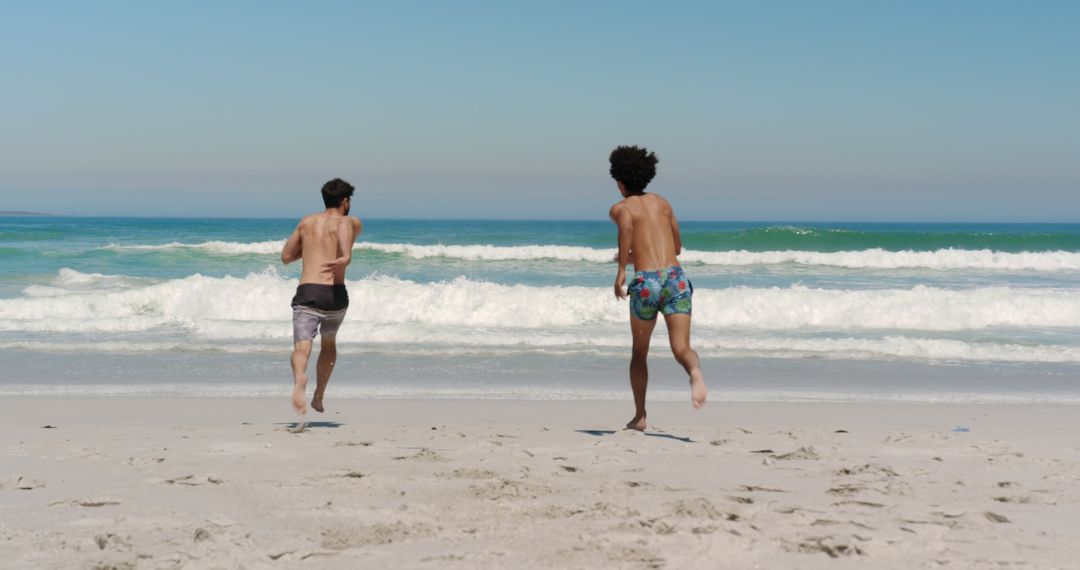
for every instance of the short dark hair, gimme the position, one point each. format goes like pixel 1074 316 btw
pixel 635 167
pixel 335 191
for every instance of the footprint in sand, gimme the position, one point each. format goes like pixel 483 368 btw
pixel 700 508
pixel 112 541
pixel 552 512
pixel 831 522
pixel 468 474
pixel 758 489
pixel 90 503
pixel 897 438
pixel 846 489
pixel 424 454
pixel 21 483
pixel 193 481
pixel 376 534
pixel 803 453
pixel 871 477
pixel 1017 499
pixel 354 444
pixel 133 461
pixel 833 546
pixel 869 504
pixel 636 555
pixel 868 469
pixel 507 489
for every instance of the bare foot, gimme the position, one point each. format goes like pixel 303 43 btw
pixel 316 404
pixel 299 385
pixel 698 392
pixel 638 423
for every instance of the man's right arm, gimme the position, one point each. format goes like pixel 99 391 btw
pixel 622 218
pixel 292 250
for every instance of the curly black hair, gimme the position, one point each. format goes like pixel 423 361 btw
pixel 635 167
pixel 335 191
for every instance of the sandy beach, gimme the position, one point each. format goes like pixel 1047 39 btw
pixel 224 483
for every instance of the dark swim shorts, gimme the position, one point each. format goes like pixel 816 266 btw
pixel 318 309
pixel 667 291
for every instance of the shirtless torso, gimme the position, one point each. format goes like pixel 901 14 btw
pixel 651 233
pixel 321 240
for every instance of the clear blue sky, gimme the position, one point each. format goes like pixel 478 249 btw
pixel 830 110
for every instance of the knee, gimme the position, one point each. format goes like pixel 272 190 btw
pixel 682 353
pixel 639 353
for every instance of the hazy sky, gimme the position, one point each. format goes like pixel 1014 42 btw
pixel 768 110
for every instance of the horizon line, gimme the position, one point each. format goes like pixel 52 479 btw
pixel 17 214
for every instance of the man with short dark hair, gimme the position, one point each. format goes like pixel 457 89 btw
pixel 649 238
pixel 324 241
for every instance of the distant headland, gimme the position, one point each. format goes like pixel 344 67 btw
pixel 16 213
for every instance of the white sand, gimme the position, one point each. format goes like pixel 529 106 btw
pixel 221 483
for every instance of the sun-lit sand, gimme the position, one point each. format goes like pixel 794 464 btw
pixel 224 483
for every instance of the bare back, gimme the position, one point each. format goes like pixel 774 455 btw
pixel 321 241
pixel 654 234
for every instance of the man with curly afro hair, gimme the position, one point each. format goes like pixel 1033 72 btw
pixel 649 239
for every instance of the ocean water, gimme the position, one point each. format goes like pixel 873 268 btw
pixel 512 309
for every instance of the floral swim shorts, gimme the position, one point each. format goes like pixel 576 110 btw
pixel 667 291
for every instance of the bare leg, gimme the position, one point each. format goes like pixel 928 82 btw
pixel 639 369
pixel 324 367
pixel 679 335
pixel 301 352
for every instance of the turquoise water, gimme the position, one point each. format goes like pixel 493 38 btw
pixel 483 298
pixel 35 249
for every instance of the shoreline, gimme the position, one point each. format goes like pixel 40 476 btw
pixel 368 375
pixel 657 396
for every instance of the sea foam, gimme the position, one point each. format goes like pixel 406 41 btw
pixel 876 258
pixel 403 341
pixel 201 303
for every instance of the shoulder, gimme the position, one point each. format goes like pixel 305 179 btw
pixel 659 199
pixel 347 225
pixel 349 222
pixel 306 221
pixel 661 202
pixel 622 213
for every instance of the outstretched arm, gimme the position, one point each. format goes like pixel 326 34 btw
pixel 625 222
pixel 292 250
